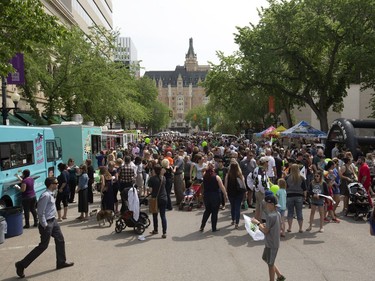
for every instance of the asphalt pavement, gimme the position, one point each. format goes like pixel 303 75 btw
pixel 345 251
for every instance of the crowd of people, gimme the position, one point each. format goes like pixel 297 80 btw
pixel 238 171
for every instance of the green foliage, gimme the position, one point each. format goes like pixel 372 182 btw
pixel 158 116
pixel 301 52
pixel 78 77
pixel 22 24
pixel 310 51
pixel 198 117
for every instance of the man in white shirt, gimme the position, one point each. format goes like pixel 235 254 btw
pixel 271 171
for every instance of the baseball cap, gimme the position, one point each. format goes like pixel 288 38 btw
pixel 268 193
pixel 271 199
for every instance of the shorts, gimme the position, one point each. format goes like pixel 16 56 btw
pixel 336 190
pixel 282 212
pixel 269 255
pixel 259 196
pixel 319 204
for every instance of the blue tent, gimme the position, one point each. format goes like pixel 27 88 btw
pixel 303 130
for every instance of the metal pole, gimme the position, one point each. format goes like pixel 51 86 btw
pixel 4 112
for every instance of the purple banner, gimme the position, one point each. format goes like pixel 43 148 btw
pixel 17 77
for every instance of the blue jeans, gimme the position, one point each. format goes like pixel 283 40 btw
pixel 294 202
pixel 162 205
pixel 235 207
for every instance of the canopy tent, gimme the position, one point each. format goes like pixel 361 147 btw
pixel 276 132
pixel 303 130
pixel 264 133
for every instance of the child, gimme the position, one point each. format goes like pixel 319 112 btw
pixel 329 203
pixel 271 229
pixel 281 196
pixel 317 186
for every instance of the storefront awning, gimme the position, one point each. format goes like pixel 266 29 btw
pixel 13 121
pixel 29 118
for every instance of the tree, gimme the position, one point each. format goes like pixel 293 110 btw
pixel 236 105
pixel 23 23
pixel 310 50
pixel 65 76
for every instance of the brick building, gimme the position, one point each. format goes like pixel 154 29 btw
pixel 180 89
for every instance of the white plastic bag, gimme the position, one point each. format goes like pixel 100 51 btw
pixel 253 229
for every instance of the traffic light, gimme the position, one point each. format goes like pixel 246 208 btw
pixel 170 113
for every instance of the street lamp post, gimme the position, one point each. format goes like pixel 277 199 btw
pixel 15 98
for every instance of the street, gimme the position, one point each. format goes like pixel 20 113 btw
pixel 343 252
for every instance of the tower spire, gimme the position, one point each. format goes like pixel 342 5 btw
pixel 190 53
pixel 191 63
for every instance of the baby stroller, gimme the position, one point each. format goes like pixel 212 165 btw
pixel 192 195
pixel 127 216
pixel 359 204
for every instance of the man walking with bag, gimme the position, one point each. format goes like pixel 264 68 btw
pixel 48 227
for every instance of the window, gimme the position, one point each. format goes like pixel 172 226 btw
pixel 50 147
pixel 16 154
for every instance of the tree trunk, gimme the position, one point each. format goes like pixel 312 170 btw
pixel 323 119
pixel 288 115
pixel 122 122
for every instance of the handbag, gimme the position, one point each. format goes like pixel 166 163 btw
pixel 153 202
pixel 240 185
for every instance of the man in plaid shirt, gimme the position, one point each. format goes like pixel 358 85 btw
pixel 126 178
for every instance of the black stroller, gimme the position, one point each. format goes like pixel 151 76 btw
pixel 126 217
pixel 359 204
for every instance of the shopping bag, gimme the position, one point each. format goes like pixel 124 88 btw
pixel 253 229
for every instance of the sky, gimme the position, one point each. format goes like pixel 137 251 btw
pixel 161 29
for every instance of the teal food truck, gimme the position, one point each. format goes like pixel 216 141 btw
pixel 78 141
pixel 32 148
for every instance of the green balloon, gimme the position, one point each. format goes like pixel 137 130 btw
pixel 204 143
pixel 274 189
pixel 147 140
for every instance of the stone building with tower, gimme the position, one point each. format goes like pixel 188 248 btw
pixel 181 89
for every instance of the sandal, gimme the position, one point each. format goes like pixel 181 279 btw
pixel 308 229
pixel 154 232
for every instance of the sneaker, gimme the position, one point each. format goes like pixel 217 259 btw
pixel 281 278
pixel 336 220
pixel 164 236
pixel 326 220
pixel 321 230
